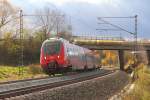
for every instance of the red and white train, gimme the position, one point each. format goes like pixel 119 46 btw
pixel 58 54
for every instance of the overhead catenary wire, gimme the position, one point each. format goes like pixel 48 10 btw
pixel 116 26
pixel 119 17
pixel 109 29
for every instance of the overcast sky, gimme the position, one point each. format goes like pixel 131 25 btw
pixel 83 13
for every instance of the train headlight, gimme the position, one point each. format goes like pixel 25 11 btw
pixel 58 56
pixel 45 58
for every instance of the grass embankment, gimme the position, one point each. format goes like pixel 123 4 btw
pixel 9 73
pixel 141 90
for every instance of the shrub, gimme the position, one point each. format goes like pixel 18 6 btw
pixel 141 90
pixel 35 69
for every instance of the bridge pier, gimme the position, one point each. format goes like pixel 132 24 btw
pixel 148 57
pixel 121 59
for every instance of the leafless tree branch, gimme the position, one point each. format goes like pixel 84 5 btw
pixel 54 20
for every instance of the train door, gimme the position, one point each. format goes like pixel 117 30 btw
pixel 79 56
pixel 74 58
pixel 85 58
pixel 69 54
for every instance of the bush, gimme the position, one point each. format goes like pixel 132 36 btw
pixel 35 69
pixel 141 90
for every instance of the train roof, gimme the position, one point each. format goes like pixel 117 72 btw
pixel 62 40
pixel 56 39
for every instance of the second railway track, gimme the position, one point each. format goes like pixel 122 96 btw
pixel 29 86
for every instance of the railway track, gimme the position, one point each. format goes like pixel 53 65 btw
pixel 22 87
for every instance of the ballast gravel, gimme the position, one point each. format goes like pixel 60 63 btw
pixel 101 88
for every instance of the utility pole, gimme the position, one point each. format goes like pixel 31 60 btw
pixel 57 28
pixel 135 34
pixel 135 39
pixel 21 63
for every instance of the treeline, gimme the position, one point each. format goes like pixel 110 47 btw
pixel 10 50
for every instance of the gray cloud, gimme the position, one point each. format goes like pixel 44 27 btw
pixel 84 15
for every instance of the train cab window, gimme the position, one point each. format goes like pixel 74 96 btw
pixel 51 48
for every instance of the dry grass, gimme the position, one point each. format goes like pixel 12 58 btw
pixel 35 69
pixel 141 90
pixel 9 73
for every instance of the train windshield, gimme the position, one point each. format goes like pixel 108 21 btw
pixel 51 48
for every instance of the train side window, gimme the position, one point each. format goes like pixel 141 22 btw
pixel 77 52
pixel 73 50
pixel 68 50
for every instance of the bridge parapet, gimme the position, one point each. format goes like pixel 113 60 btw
pixel 108 43
pixel 98 38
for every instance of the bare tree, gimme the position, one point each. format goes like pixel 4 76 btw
pixel 51 21
pixel 7 13
pixel 66 32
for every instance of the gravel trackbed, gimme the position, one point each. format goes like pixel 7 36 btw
pixel 101 88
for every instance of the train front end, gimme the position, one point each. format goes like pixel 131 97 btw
pixel 52 56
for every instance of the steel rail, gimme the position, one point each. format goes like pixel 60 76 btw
pixel 22 91
pixel 31 79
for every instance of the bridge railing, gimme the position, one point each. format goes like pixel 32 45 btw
pixel 98 38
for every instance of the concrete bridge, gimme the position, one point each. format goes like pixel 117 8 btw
pixel 113 44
